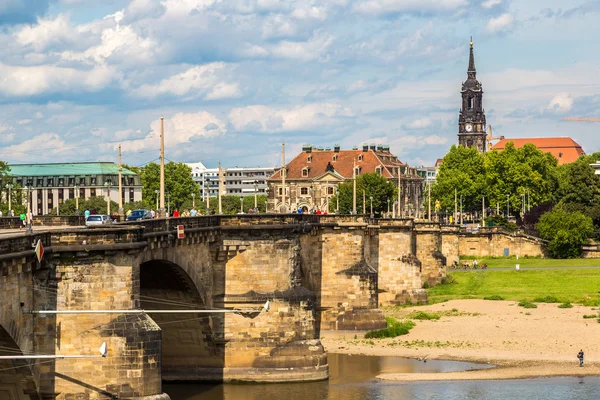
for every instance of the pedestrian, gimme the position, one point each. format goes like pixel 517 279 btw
pixel 176 213
pixel 580 356
pixel 86 213
pixel 22 217
pixel 193 212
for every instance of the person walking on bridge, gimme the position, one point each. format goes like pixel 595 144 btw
pixel 580 356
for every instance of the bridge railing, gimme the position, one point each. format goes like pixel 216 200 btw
pixel 10 222
pixel 21 243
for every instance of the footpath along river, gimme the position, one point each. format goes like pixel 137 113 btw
pixel 354 378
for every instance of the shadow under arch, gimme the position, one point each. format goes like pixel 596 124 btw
pixel 190 349
pixel 16 377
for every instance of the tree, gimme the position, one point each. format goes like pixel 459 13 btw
pixel 516 172
pixel 373 185
pixel 566 232
pixel 461 169
pixel 179 184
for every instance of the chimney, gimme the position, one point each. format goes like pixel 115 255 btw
pixel 307 148
pixel 365 147
pixel 373 147
pixel 336 148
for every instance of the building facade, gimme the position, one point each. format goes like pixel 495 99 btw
pixel 51 184
pixel 471 118
pixel 596 167
pixel 312 178
pixel 564 149
pixel 235 181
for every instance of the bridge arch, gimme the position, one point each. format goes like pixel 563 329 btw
pixel 190 349
pixel 16 377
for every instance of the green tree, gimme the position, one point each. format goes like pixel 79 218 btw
pixel 565 231
pixel 373 185
pixel 461 169
pixel 179 184
pixel 515 172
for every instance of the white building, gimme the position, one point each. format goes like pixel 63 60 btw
pixel 236 181
pixel 596 167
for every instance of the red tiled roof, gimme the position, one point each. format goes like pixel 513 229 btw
pixel 565 149
pixel 343 165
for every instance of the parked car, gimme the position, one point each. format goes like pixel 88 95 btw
pixel 136 215
pixel 97 219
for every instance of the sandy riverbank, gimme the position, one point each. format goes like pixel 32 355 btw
pixel 521 343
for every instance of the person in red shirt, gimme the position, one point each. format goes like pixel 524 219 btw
pixel 176 213
pixel 319 211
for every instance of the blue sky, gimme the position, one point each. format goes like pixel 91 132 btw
pixel 235 78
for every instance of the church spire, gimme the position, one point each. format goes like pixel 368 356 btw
pixel 471 71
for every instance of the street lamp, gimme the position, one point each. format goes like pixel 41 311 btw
pixel 388 201
pixel 76 193
pixel 194 200
pixel 207 190
pixel 157 192
pixel 107 185
pixel 371 198
pixel 241 204
pixel 169 203
pixel 312 193
pixel 28 216
pixel 9 186
pixel 461 210
pixel 507 205
pixel 255 190
pixel 337 198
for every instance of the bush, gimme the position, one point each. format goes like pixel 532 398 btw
pixel 546 299
pixel 424 316
pixel 590 316
pixel 527 304
pixel 565 305
pixel 566 232
pixel 448 280
pixel 394 328
pixel 494 297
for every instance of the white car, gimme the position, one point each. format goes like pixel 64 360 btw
pixel 97 219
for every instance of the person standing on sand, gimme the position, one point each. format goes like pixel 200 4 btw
pixel 580 356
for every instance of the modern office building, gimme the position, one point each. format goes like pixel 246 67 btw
pixel 51 184
pixel 236 181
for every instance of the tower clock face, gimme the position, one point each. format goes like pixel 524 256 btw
pixel 469 128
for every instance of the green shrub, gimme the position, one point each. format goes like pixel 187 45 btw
pixel 448 280
pixel 527 304
pixel 394 328
pixel 565 231
pixel 590 316
pixel 546 299
pixel 494 297
pixel 424 316
pixel 426 285
pixel 565 305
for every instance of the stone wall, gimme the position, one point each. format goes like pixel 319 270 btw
pixel 429 252
pixel 591 251
pixel 492 244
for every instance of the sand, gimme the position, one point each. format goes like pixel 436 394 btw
pixel 521 343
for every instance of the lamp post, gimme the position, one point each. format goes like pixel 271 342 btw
pixel 267 200
pixel 76 190
pixel 169 203
pixel 507 205
pixel 337 199
pixel 107 185
pixel 364 202
pixel 9 186
pixel 157 192
pixel 28 216
pixel 255 191
pixel 312 193
pixel 207 190
pixel 241 204
pixel 461 210
pixel 371 198
pixel 388 201
pixel 194 199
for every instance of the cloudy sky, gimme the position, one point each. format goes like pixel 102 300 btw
pixel 235 78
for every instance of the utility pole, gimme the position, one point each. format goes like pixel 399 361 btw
pixel 461 212
pixel 255 199
pixel 161 211
pixel 354 186
pixel 482 211
pixel 455 205
pixel 219 188
pixel 207 196
pixel 507 205
pixel 364 202
pixel 283 177
pixel 76 193
pixel 120 186
pixel 429 200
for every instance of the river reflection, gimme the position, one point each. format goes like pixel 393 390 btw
pixel 353 378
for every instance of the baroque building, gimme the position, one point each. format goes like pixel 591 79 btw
pixel 312 177
pixel 471 118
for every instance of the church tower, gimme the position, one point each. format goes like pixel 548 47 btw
pixel 471 118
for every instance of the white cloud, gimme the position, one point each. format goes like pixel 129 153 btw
pixel 39 115
pixel 304 51
pixel 435 140
pixel 179 129
pixel 420 123
pixel 122 134
pixel 394 6
pixel 266 119
pixel 31 81
pixel 52 143
pixel 491 3
pixel 500 23
pixel 562 102
pixel 207 81
pixel 46 33
pixel 24 122
pixel 184 7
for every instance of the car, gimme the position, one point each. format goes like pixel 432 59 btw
pixel 136 215
pixel 97 219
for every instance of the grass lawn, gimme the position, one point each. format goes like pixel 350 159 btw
pixel 572 285
pixel 510 262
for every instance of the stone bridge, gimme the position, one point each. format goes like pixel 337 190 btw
pixel 318 272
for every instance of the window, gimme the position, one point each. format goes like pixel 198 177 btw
pixel 471 101
pixel 309 159
pixel 61 182
pixel 92 192
pixel 330 190
pixel 131 195
pixel 304 191
pixel 50 182
pixel 335 157
pixel 93 180
pixel 560 155
pixel 82 193
pixel 360 157
pixel 378 170
pixel 71 193
pixel 304 171
pixel 39 182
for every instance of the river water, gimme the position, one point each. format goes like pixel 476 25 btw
pixel 353 378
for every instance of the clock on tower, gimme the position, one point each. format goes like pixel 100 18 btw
pixel 471 118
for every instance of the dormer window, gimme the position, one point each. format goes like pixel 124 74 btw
pixel 357 171
pixel 304 172
pixel 335 157
pixel 378 170
pixel 560 155
pixel 360 157
pixel 309 159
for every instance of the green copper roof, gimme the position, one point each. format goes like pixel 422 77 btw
pixel 67 169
